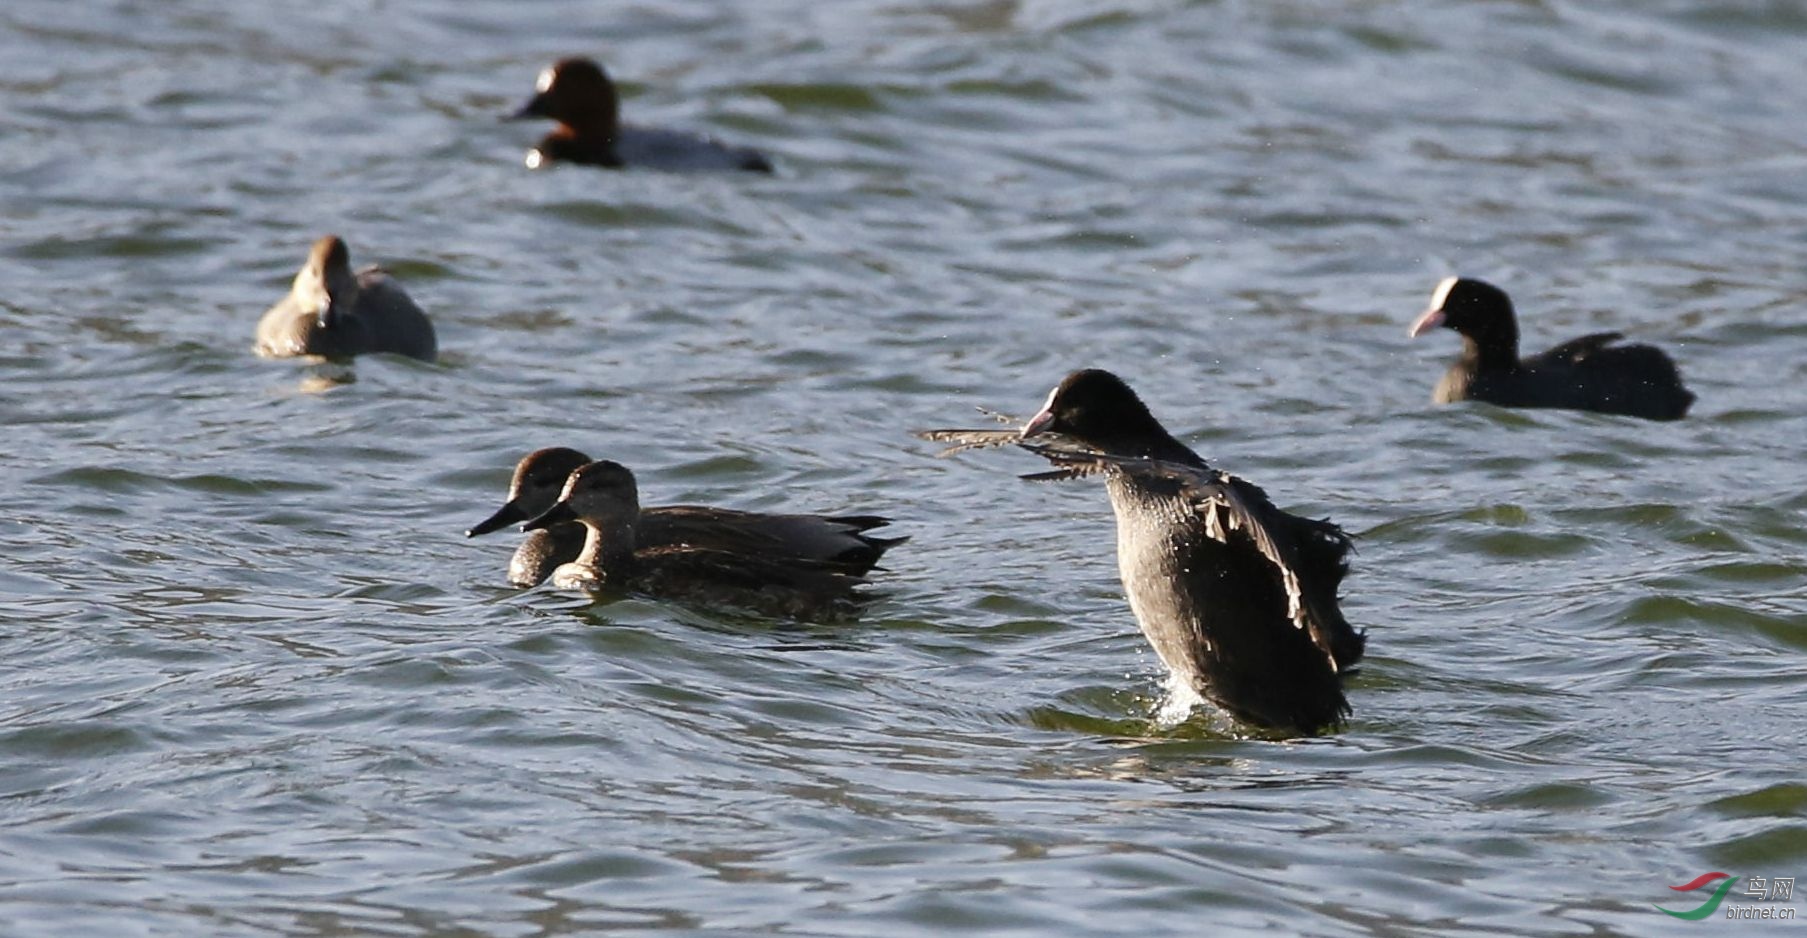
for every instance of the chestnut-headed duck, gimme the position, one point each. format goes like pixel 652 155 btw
pixel 578 94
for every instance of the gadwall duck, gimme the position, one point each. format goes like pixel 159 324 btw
pixel 578 94
pixel 1589 373
pixel 334 313
pixel 603 497
pixel 1238 597
pixel 838 542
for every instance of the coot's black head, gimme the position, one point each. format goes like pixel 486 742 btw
pixel 577 93
pixel 1476 309
pixel 1096 408
pixel 538 479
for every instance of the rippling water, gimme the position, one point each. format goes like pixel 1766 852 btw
pixel 255 681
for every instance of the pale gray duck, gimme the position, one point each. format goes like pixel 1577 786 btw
pixel 836 541
pixel 578 94
pixel 1238 597
pixel 334 313
pixel 1589 373
pixel 603 497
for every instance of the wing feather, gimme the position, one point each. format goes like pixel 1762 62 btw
pixel 1226 506
pixel 1575 350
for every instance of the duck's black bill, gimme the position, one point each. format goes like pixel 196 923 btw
pixel 557 514
pixel 536 107
pixel 506 515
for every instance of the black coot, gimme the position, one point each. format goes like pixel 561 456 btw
pixel 1589 373
pixel 1238 597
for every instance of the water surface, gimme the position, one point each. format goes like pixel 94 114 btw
pixel 256 682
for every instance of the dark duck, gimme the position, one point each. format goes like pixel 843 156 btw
pixel 1238 597
pixel 837 542
pixel 1590 373
pixel 578 94
pixel 604 498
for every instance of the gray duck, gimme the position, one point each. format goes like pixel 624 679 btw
pixel 838 542
pixel 603 497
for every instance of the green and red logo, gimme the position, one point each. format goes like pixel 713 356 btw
pixel 1708 907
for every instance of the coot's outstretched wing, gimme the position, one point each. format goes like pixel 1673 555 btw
pixel 1310 556
pixel 964 440
pixel 1044 444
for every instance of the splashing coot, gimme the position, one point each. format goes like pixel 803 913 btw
pixel 1238 597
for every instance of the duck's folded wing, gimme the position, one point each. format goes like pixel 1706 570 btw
pixel 1309 556
pixel 702 565
pixel 838 541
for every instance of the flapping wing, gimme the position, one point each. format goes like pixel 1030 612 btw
pixel 1041 444
pixel 964 440
pixel 1215 496
pixel 1228 508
